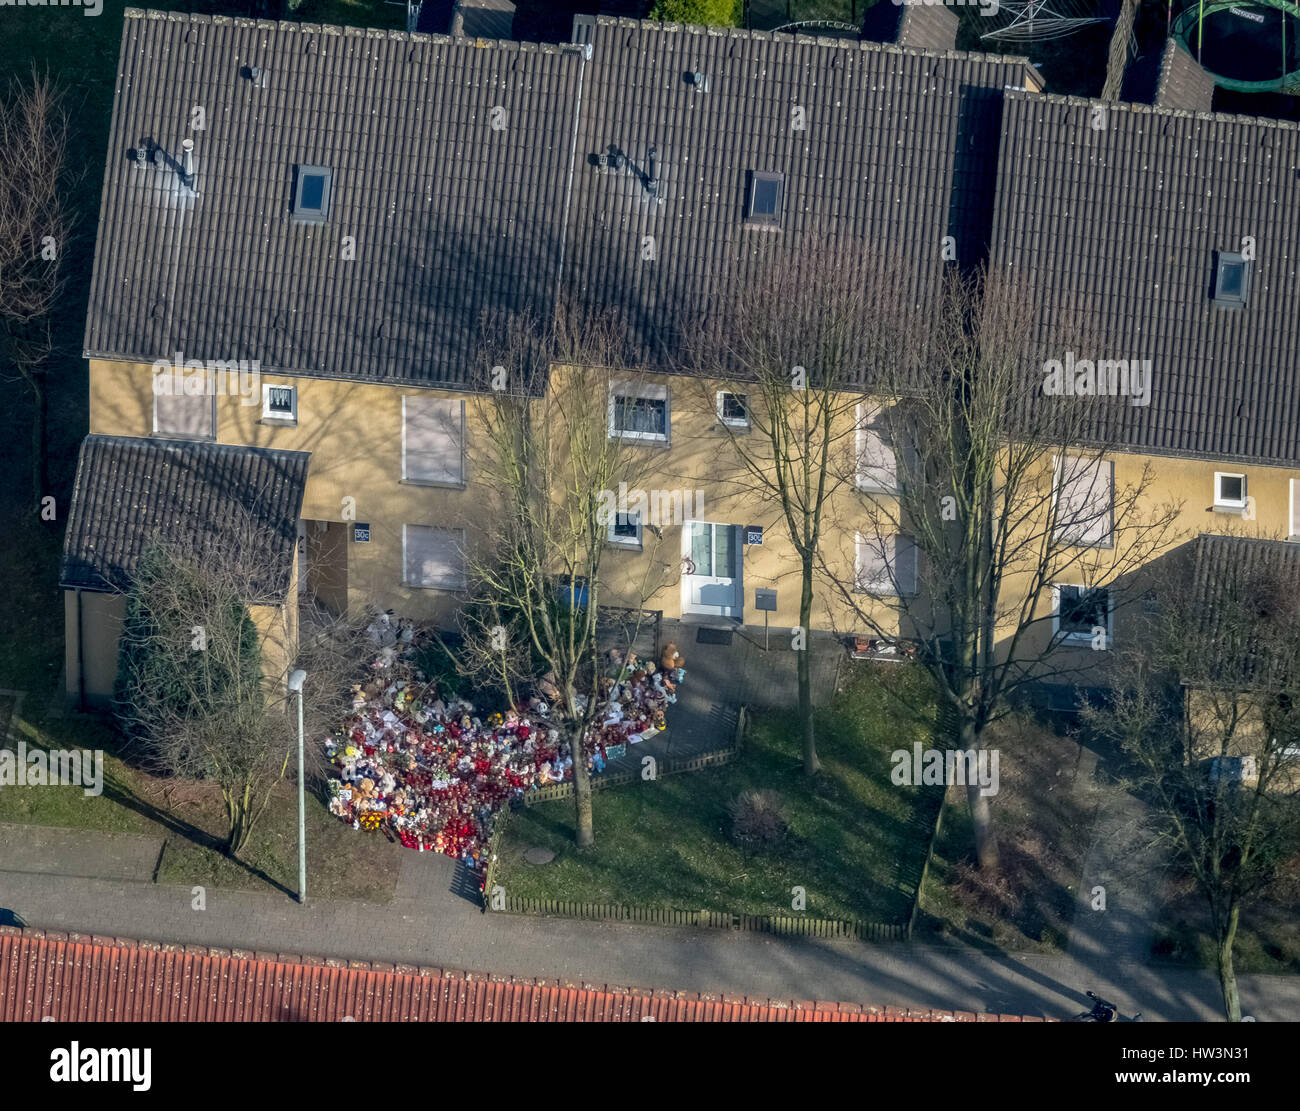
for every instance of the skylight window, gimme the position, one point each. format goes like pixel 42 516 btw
pixel 1231 280
pixel 765 197
pixel 311 194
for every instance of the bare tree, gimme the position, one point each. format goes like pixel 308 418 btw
pixel 1207 693
pixel 538 566
pixel 790 340
pixel 981 489
pixel 35 224
pixel 196 686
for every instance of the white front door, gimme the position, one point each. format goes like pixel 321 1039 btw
pixel 711 576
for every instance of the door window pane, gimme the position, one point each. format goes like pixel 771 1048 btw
pixel 724 551
pixel 702 548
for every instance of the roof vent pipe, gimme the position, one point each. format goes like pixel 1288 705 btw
pixel 187 163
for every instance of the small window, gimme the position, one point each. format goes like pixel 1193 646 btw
pixel 1231 280
pixel 1229 490
pixel 625 530
pixel 1082 613
pixel 765 197
pixel 433 557
pixel 280 403
pixel 639 412
pixel 311 194
pixel 733 409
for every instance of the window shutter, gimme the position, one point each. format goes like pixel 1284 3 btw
pixel 877 464
pixel 1295 507
pixel 433 434
pixel 434 557
pixel 189 416
pixel 887 565
pixel 1084 500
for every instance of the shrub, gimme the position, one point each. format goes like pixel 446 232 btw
pixel 758 818
pixel 707 13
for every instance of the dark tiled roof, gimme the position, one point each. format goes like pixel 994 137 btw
pixel 1121 223
pixel 80 978
pixel 449 214
pixel 451 217
pixel 898 149
pixel 127 490
pixel 1261 574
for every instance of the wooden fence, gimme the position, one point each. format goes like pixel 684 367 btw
pixel 779 925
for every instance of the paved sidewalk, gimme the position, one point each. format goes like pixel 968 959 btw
pixel 422 926
pixel 720 678
pixel 1123 862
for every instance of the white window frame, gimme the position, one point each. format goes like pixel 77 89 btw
pixel 1294 492
pixel 625 541
pixel 1062 530
pixel 732 422
pixel 1221 503
pixel 454 485
pixel 212 400
pixel 896 588
pixel 650 393
pixel 867 414
pixel 461 582
pixel 1082 638
pixel 271 416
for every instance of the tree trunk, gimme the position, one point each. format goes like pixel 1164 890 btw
pixel 1227 973
pixel 585 830
pixel 39 487
pixel 811 764
pixel 986 842
pixel 237 824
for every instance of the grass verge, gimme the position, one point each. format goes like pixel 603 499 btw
pixel 855 842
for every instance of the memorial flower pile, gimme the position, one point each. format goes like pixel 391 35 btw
pixel 432 773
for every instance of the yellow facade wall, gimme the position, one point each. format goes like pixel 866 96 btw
pixel 354 434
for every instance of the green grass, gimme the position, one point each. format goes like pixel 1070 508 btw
pixel 855 844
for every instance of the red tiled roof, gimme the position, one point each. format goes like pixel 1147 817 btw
pixel 76 977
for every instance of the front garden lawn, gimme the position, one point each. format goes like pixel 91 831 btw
pixel 856 841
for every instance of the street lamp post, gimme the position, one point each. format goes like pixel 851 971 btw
pixel 295 684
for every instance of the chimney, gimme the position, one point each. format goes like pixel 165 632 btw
pixel 187 163
pixel 651 182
